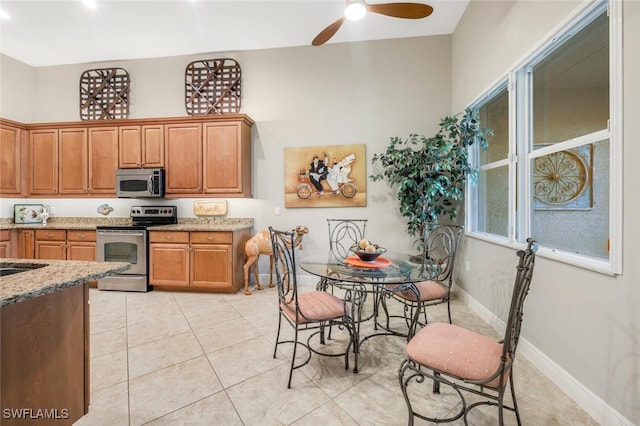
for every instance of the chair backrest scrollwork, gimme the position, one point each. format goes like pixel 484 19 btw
pixel 441 246
pixel 343 234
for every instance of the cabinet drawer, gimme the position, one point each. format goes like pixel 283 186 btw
pixel 4 235
pixel 81 235
pixel 51 235
pixel 211 237
pixel 169 237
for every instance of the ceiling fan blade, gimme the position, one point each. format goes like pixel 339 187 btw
pixel 327 33
pixel 401 10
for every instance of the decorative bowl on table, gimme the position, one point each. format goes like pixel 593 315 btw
pixel 369 253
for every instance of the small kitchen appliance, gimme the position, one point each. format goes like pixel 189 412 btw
pixel 140 183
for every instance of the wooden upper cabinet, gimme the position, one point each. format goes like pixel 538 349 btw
pixel 153 146
pixel 72 165
pixel 129 147
pixel 206 156
pixel 183 148
pixel 103 159
pixel 227 159
pixel 44 162
pixel 141 146
pixel 11 151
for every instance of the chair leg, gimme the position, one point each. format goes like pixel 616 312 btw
pixel 293 357
pixel 513 397
pixel 449 308
pixel 275 350
pixel 403 387
pixel 436 383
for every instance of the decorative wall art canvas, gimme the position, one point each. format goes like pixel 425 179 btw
pixel 563 180
pixel 27 213
pixel 325 176
pixel 104 94
pixel 213 86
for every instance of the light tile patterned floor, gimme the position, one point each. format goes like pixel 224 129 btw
pixel 166 358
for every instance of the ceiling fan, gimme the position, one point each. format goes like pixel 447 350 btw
pixel 356 9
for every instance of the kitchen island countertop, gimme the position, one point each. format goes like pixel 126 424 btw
pixel 54 276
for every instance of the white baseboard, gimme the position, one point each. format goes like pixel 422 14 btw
pixel 592 404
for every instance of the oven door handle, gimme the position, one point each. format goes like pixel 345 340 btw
pixel 122 233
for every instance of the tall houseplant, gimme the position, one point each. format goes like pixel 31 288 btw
pixel 430 173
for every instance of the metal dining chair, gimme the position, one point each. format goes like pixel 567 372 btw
pixel 466 361
pixel 441 247
pixel 308 311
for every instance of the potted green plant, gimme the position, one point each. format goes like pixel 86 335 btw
pixel 430 173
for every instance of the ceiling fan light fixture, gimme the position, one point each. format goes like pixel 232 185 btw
pixel 355 10
pixel 91 4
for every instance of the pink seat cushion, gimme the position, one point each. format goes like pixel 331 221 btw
pixel 457 351
pixel 429 290
pixel 315 306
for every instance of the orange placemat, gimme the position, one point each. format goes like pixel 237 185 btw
pixel 380 262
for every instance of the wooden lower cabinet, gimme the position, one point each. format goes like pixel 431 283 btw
pixel 59 244
pixel 169 258
pixel 81 245
pixel 44 354
pixel 200 260
pixel 26 244
pixel 51 244
pixel 5 243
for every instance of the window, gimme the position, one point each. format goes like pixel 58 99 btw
pixel 555 153
pixel 492 189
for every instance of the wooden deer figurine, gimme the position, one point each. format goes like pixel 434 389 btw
pixel 259 244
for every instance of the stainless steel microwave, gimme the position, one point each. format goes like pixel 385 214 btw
pixel 140 183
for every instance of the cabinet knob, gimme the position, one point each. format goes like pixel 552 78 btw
pixel 168 237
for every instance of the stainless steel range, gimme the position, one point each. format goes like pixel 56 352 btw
pixel 130 243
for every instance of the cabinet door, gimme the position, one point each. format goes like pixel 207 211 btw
pixel 222 159
pixel 153 146
pixel 81 245
pixel 10 160
pixel 129 147
pixel 103 160
pixel 227 159
pixel 169 264
pixel 211 266
pixel 44 162
pixel 5 243
pixel 77 250
pixel 5 249
pixel 72 167
pixel 26 244
pixel 183 149
pixel 55 250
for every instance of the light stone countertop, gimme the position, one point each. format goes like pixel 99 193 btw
pixel 56 275
pixel 184 224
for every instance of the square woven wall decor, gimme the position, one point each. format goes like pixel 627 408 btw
pixel 104 94
pixel 212 86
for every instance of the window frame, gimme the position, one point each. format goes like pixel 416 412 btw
pixel 521 152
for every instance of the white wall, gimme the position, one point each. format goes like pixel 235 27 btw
pixel 17 90
pixel 585 323
pixel 336 94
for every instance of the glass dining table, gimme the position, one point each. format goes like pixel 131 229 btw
pixel 389 273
